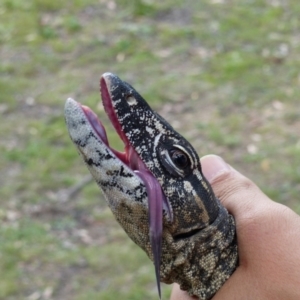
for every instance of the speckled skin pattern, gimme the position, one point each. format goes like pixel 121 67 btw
pixel 199 246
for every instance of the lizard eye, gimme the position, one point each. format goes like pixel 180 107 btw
pixel 176 161
pixel 179 158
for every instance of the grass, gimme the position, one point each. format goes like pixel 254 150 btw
pixel 224 73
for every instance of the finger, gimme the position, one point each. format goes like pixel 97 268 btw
pixel 178 294
pixel 236 192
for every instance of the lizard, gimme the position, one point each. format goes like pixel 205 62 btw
pixel 156 190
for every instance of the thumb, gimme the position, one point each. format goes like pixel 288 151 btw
pixel 235 191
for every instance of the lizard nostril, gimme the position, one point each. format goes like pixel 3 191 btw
pixel 130 99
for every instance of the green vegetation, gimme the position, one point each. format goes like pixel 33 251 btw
pixel 224 73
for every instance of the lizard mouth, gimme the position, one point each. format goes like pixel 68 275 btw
pixel 129 157
pixel 156 199
pixel 157 202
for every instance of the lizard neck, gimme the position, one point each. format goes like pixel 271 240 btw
pixel 207 260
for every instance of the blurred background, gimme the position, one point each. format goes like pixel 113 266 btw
pixel 224 73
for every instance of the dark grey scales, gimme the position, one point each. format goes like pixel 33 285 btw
pixel 156 190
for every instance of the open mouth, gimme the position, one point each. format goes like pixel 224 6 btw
pixel 157 202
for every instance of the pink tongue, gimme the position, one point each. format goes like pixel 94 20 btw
pixel 156 198
pixel 155 204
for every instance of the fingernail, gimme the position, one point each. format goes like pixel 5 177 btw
pixel 213 166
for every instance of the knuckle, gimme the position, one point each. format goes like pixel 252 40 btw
pixel 228 184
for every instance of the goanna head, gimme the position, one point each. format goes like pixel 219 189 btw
pixel 156 188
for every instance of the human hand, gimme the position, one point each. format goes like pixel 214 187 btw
pixel 268 236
